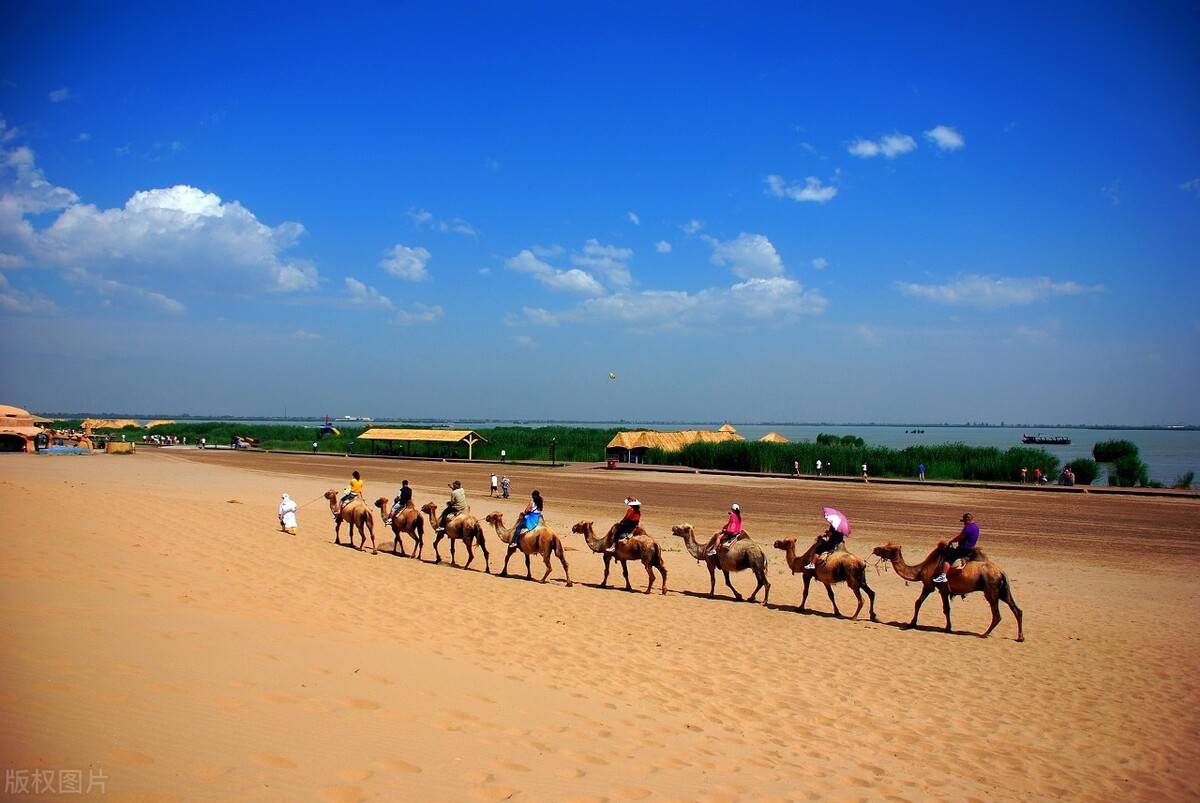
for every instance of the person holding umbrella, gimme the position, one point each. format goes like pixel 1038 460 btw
pixel 839 528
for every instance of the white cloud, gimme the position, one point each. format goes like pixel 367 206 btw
pixel 525 341
pixel 945 137
pixel 423 217
pixel 634 219
pixel 123 150
pixel 417 313
pixel 1192 186
pixel 890 146
pixel 820 263
pixel 608 260
pixel 120 291
pixel 692 226
pixel 83 136
pixel 748 256
pixel 662 247
pixel 59 95
pixel 547 251
pixel 573 280
pixel 180 230
pixel 407 263
pixel 21 303
pixel 986 292
pixel 364 296
pixel 812 190
pixel 302 334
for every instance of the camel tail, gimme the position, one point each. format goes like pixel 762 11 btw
pixel 558 546
pixel 656 555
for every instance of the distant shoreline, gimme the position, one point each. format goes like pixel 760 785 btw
pixel 626 422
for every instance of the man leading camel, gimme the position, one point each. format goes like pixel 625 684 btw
pixel 960 546
pixel 457 504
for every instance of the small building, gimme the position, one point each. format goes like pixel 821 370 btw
pixel 17 431
pixel 631 447
pixel 447 437
pixel 727 427
pixel 774 437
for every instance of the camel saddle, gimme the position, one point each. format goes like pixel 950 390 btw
pixel 971 557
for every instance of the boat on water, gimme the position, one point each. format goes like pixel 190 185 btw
pixel 1046 440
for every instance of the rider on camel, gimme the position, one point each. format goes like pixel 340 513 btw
pixel 456 505
pixel 355 491
pixel 826 542
pixel 960 547
pixel 530 517
pixel 729 533
pixel 403 499
pixel 626 526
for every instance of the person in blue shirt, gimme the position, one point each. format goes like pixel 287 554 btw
pixel 921 472
pixel 530 517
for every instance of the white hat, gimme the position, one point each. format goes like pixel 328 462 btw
pixel 633 502
pixel 734 506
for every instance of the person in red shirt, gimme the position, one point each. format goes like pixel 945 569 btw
pixel 626 526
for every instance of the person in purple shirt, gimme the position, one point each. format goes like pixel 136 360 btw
pixel 960 546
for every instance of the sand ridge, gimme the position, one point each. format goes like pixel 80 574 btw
pixel 176 638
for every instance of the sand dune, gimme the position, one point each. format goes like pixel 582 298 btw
pixel 161 629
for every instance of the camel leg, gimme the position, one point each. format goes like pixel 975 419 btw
pixel 563 560
pixel 470 554
pixel 453 558
pixel 712 580
pixel 371 529
pixel 662 569
pixel 507 558
pixel 398 544
pixel 761 577
pixel 607 564
pixel 546 558
pixel 625 571
pixel 736 595
pixel 1012 606
pixel 857 596
pixel 650 574
pixel 436 540
pixel 833 600
pixel 994 604
pixel 804 599
pixel 337 532
pixel 487 558
pixel 528 570
pixel 870 596
pixel 362 538
pixel 925 592
pixel 946 607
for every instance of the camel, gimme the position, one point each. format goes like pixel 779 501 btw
pixel 356 514
pixel 464 527
pixel 741 554
pixel 638 546
pixel 839 566
pixel 541 539
pixel 407 520
pixel 977 575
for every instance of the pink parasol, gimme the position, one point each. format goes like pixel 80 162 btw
pixel 837 519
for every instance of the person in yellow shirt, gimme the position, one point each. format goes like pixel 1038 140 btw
pixel 355 491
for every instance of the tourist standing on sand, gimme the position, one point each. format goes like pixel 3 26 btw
pixel 921 472
pixel 495 484
pixel 864 470
pixel 819 474
pixel 287 514
pixel 504 487
pixel 796 467
pixel 314 447
pixel 1024 475
pixel 960 546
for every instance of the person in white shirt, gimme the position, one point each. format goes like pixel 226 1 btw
pixel 819 474
pixel 287 514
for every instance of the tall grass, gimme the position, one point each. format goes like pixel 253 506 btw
pixel 1112 451
pixel 1085 470
pixel 952 461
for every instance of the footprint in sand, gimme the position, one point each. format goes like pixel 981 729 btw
pixel 396 765
pixel 510 765
pixel 122 756
pixel 271 760
pixel 493 793
pixel 343 794
pixel 631 793
pixel 361 704
pixel 353 775
pixel 569 772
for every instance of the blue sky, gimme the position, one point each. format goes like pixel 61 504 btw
pixel 877 212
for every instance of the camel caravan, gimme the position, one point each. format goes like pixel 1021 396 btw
pixel 954 568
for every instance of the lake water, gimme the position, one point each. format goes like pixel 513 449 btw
pixel 1167 452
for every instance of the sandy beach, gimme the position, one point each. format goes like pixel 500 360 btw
pixel 162 634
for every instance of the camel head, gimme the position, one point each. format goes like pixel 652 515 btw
pixel 429 508
pixel 495 518
pixel 682 530
pixel 888 551
pixel 331 496
pixel 582 527
pixel 785 543
pixel 381 503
